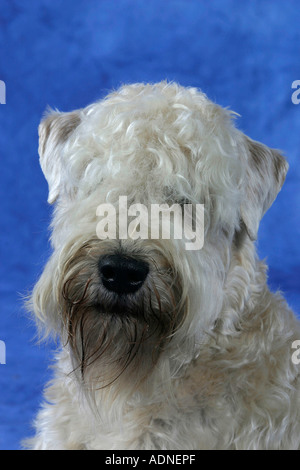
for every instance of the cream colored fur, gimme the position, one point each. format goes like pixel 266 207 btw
pixel 215 370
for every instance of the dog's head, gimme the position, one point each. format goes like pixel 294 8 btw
pixel 127 303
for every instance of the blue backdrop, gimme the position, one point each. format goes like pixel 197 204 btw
pixel 66 54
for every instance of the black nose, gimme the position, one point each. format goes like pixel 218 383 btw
pixel 122 274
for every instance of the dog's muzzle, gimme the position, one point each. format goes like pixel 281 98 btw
pixel 122 274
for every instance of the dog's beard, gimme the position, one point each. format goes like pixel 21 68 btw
pixel 115 336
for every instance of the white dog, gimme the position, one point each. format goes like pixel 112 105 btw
pixel 162 347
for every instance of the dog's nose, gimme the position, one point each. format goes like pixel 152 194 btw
pixel 122 274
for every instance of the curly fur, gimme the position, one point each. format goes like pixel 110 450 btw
pixel 200 357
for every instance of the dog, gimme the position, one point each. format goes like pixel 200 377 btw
pixel 161 347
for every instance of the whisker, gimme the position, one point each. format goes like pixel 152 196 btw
pixel 107 342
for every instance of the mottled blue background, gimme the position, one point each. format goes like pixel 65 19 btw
pixel 66 54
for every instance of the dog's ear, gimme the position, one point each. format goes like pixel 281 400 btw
pixel 265 175
pixel 54 131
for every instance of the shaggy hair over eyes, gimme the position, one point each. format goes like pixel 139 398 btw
pixel 199 354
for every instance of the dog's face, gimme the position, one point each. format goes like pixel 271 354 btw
pixel 124 304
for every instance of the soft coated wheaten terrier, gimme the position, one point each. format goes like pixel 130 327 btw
pixel 162 347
